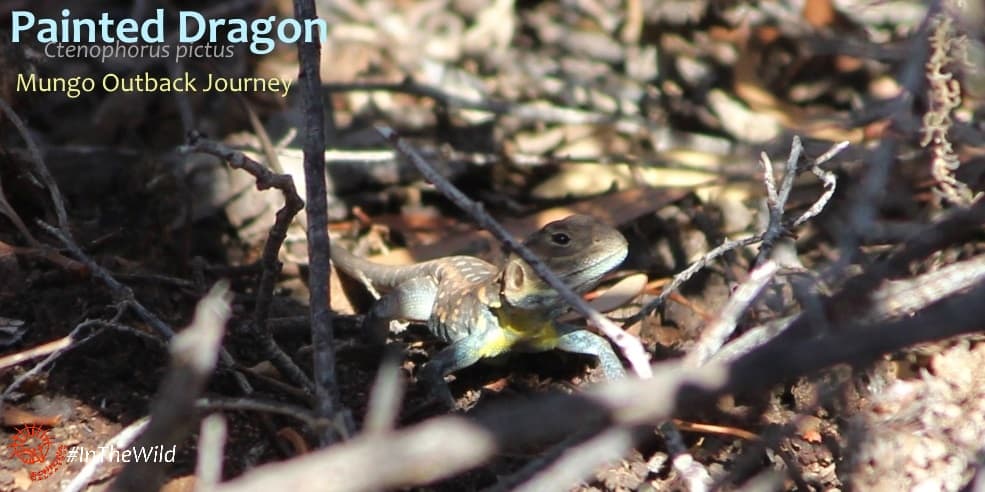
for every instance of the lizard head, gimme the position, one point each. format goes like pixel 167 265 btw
pixel 579 249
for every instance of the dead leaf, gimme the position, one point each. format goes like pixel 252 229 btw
pixel 22 478
pixel 496 386
pixel 619 294
pixel 180 484
pixel 593 179
pixel 265 368
pixel 761 101
pixel 819 13
pixel 13 417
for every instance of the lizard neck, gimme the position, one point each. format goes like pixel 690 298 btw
pixel 523 290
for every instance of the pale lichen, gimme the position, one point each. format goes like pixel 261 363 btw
pixel 944 96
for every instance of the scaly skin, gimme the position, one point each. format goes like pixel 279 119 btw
pixel 483 311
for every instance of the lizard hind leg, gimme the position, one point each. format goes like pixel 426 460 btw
pixel 411 300
pixel 581 341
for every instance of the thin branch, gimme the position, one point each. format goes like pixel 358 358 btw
pixel 37 161
pixel 717 332
pixel 687 273
pixel 865 298
pixel 271 264
pixel 386 395
pixel 902 297
pixel 322 337
pixel 580 462
pixel 692 472
pixel 777 200
pixel 43 349
pixel 120 441
pixel 769 179
pixel 796 149
pixel 253 405
pixel 74 342
pixel 120 292
pixel 194 354
pixel 126 296
pixel 830 182
pixel 774 229
pixel 211 443
pixel 857 295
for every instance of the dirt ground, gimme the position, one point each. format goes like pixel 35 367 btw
pixel 654 116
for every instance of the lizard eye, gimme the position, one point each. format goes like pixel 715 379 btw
pixel 560 238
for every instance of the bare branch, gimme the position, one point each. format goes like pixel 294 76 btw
pixel 37 161
pixel 777 200
pixel 211 443
pixel 689 272
pixel 271 264
pixel 43 349
pixel 253 405
pixel 386 395
pixel 322 337
pixel 774 229
pixel 717 332
pixel 578 463
pixel 120 441
pixel 120 291
pixel 194 354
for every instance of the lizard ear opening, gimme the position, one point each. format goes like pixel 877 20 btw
pixel 513 283
pixel 513 277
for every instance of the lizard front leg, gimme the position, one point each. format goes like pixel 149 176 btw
pixel 580 341
pixel 411 300
pixel 464 352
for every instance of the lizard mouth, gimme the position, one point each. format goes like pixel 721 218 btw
pixel 591 273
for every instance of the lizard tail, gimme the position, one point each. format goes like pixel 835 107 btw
pixel 375 275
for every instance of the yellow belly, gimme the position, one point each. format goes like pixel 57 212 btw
pixel 519 328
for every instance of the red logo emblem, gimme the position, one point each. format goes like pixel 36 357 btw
pixel 31 445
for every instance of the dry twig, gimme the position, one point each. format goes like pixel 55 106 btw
pixel 322 338
pixel 271 264
pixel 717 332
pixel 194 354
pixel 386 394
pixel 63 345
pixel 253 405
pixel 864 298
pixel 774 229
pixel 37 161
pixel 211 444
pixel 120 292
pixel 120 441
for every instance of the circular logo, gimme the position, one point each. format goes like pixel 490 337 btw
pixel 30 444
